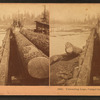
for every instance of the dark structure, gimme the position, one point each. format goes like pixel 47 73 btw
pixel 43 25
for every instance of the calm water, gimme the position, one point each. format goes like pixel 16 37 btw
pixel 75 35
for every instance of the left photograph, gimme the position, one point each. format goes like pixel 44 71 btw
pixel 24 44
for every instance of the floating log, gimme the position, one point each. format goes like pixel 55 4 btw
pixel 36 63
pixel 40 40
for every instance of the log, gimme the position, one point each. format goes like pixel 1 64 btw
pixel 40 69
pixel 57 58
pixel 71 52
pixel 71 49
pixel 35 62
pixel 62 71
pixel 41 41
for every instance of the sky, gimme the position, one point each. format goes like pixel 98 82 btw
pixel 73 11
pixel 9 9
pixel 57 11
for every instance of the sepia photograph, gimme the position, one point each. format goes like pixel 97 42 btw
pixel 24 44
pixel 75 45
pixel 49 49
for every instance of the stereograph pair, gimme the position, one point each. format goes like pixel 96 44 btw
pixel 49 44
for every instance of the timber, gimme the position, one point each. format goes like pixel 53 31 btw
pixel 71 49
pixel 71 52
pixel 24 58
pixel 41 41
pixel 81 69
pixel 31 57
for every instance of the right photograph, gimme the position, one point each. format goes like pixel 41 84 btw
pixel 75 45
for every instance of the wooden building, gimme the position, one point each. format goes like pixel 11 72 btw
pixel 42 26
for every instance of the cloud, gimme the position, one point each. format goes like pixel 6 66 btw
pixel 12 8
